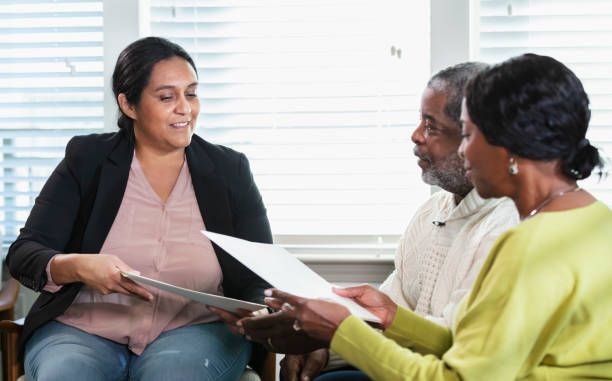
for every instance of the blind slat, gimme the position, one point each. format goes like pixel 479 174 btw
pixel 310 92
pixel 51 78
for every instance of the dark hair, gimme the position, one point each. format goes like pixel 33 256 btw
pixel 535 107
pixel 133 70
pixel 452 81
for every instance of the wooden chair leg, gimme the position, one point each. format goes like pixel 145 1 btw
pixel 11 367
pixel 269 369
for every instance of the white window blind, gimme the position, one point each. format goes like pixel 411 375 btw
pixel 322 96
pixel 577 33
pixel 51 88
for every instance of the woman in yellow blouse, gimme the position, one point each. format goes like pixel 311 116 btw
pixel 541 307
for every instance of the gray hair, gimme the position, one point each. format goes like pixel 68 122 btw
pixel 452 82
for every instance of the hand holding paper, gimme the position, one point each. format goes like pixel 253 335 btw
pixel 219 301
pixel 284 271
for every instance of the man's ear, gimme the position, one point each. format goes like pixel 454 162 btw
pixel 125 106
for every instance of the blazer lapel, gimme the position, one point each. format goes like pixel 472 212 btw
pixel 211 192
pixel 114 173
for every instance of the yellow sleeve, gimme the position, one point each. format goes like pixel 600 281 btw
pixel 422 335
pixel 382 358
pixel 513 313
pixel 517 306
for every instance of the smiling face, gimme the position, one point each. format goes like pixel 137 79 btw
pixel 437 138
pixel 486 165
pixel 166 116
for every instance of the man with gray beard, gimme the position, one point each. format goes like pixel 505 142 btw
pixel 447 240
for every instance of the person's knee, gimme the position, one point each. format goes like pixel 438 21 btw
pixel 69 366
pixel 60 352
pixel 191 365
pixel 200 352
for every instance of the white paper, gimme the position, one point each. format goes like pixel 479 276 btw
pixel 226 303
pixel 284 271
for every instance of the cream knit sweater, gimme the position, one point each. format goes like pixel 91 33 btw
pixel 435 266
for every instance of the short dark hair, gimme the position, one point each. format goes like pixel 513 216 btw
pixel 535 107
pixel 133 70
pixel 452 81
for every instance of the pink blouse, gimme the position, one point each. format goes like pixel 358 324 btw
pixel 162 241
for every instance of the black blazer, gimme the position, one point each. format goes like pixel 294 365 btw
pixel 80 200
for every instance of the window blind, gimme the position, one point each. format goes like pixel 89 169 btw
pixel 51 88
pixel 577 33
pixel 322 96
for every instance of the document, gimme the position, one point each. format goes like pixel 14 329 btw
pixel 284 271
pixel 223 302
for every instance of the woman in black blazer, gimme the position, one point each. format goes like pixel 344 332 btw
pixel 155 82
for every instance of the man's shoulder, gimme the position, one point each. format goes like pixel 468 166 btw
pixel 433 206
pixel 497 215
pixel 496 207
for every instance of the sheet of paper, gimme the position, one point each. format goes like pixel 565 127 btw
pixel 228 304
pixel 284 271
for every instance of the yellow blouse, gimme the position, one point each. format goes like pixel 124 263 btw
pixel 540 309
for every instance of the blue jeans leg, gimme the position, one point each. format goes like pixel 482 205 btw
pixel 60 352
pixel 206 351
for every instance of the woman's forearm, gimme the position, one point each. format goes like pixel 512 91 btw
pixel 64 268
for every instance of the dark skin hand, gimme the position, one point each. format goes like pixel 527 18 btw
pixel 303 367
pixel 308 366
pixel 320 319
pixel 278 327
pixel 276 333
pixel 378 303
pixel 316 320
pixel 232 318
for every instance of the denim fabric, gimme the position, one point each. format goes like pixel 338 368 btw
pixel 206 351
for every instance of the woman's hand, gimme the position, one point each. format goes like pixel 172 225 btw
pixel 378 303
pixel 303 367
pixel 318 318
pixel 232 318
pixel 277 333
pixel 102 272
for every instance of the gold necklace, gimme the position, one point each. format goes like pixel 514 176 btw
pixel 554 196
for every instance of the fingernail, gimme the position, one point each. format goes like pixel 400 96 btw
pixel 268 292
pixel 239 323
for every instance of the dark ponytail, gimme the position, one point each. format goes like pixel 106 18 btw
pixel 535 107
pixel 581 161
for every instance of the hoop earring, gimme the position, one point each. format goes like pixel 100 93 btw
pixel 513 167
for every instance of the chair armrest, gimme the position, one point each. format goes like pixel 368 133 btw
pixel 11 326
pixel 8 295
pixel 12 366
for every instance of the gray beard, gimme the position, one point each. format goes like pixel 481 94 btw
pixel 449 175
